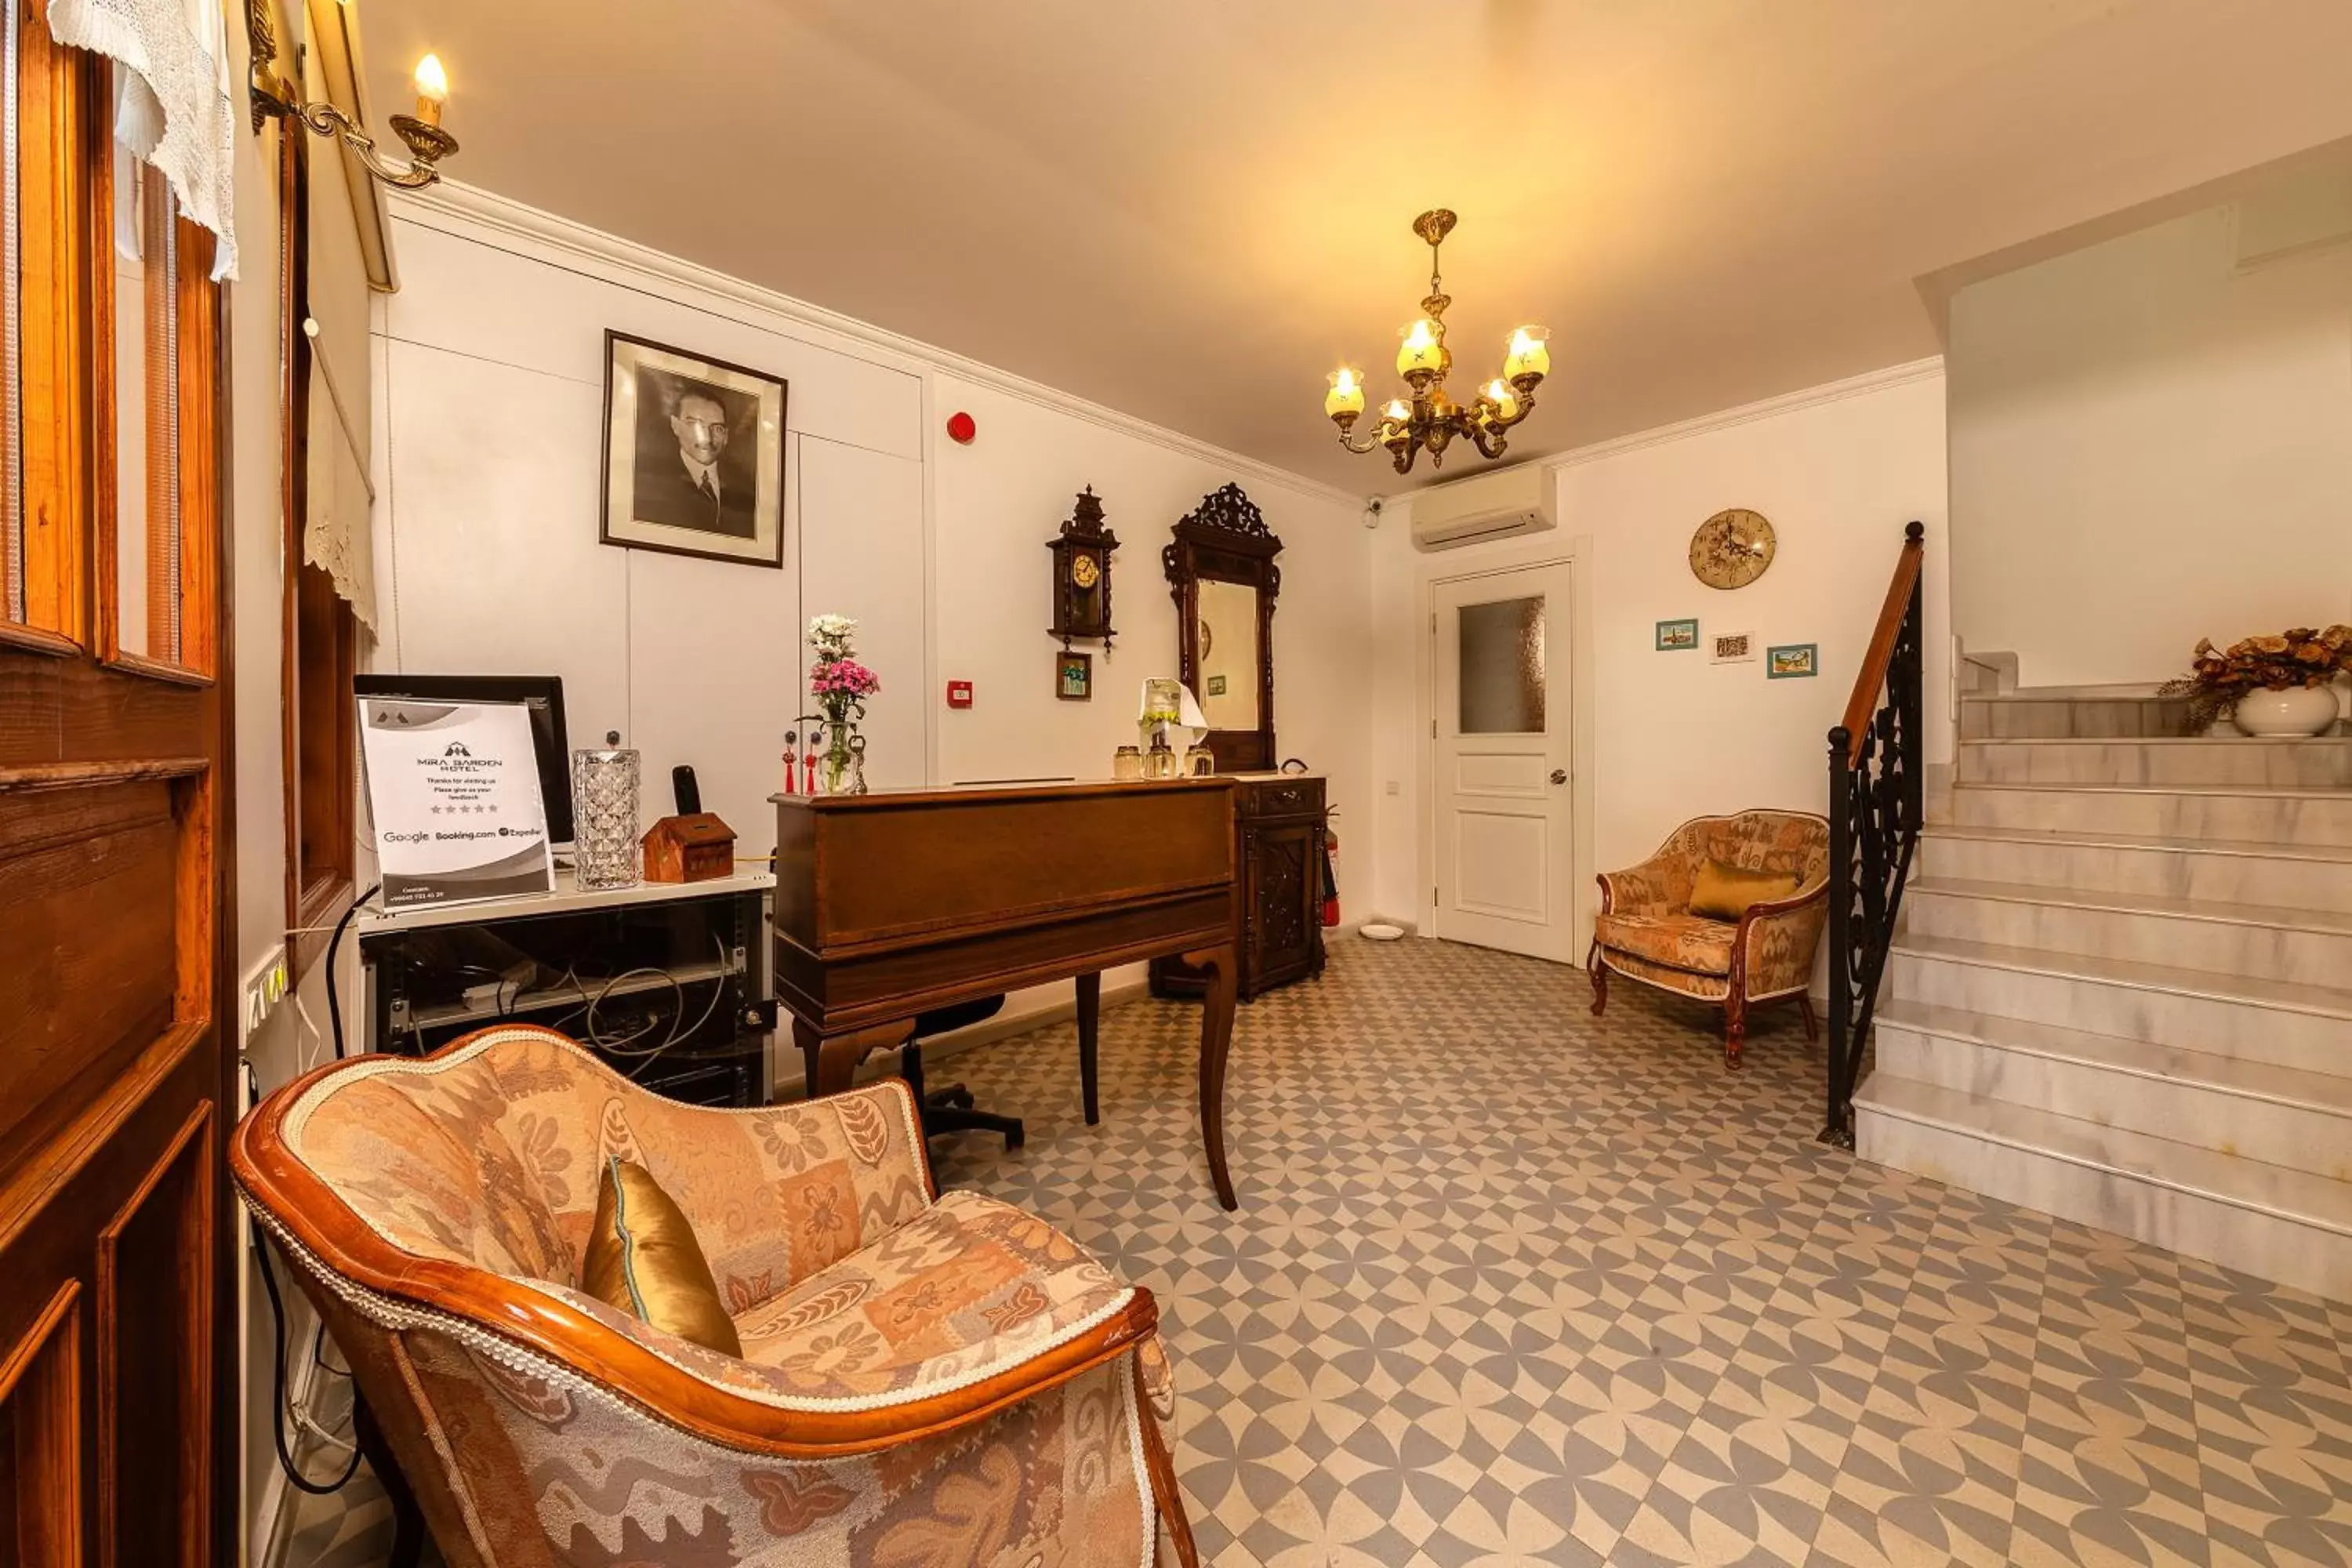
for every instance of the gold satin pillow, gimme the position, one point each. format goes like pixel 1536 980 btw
pixel 643 1258
pixel 1724 892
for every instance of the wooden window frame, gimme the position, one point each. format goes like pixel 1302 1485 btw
pixel 321 634
pixel 56 141
pixel 196 451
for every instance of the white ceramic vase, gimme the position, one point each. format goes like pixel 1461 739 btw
pixel 2298 710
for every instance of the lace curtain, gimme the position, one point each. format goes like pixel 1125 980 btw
pixel 337 534
pixel 178 112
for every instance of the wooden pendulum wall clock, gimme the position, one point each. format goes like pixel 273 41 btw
pixel 1082 554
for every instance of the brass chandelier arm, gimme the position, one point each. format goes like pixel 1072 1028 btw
pixel 325 119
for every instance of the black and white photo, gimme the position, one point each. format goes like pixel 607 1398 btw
pixel 694 454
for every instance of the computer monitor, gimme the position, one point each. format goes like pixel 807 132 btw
pixel 543 695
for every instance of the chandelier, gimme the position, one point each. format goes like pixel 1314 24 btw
pixel 1431 419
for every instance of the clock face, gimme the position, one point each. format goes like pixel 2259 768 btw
pixel 1084 572
pixel 1732 548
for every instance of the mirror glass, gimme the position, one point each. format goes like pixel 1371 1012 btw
pixel 1228 654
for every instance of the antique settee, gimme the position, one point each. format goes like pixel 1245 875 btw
pixel 1646 930
pixel 926 1378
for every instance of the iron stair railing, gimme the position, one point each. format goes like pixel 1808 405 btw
pixel 1876 801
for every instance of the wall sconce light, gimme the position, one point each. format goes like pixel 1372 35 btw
pixel 273 96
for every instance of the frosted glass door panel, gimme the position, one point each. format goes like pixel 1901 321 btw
pixel 1501 653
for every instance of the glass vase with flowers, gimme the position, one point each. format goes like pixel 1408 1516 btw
pixel 841 686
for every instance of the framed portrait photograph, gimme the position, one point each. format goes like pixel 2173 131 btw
pixel 1073 677
pixel 694 455
pixel 1792 661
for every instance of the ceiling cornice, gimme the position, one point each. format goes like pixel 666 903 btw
pixel 1868 382
pixel 465 210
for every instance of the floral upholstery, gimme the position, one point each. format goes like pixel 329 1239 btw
pixel 1680 941
pixel 1645 930
pixel 854 1290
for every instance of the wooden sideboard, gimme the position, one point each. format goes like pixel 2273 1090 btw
pixel 1279 823
pixel 899 902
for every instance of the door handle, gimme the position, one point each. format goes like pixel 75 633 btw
pixel 1559 775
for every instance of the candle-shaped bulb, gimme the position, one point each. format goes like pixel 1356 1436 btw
pixel 1529 353
pixel 1497 396
pixel 1423 347
pixel 432 89
pixel 1396 412
pixel 1346 398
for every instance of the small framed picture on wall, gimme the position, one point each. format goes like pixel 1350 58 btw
pixel 694 455
pixel 1677 636
pixel 1732 647
pixel 1792 661
pixel 1073 677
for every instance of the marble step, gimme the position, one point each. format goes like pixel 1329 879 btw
pixel 2323 763
pixel 2306 1028
pixel 2291 876
pixel 2300 1119
pixel 2237 815
pixel 2267 1220
pixel 2310 947
pixel 2085 713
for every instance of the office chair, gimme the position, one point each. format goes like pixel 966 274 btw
pixel 951 1109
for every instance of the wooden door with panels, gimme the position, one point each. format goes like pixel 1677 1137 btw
pixel 115 1395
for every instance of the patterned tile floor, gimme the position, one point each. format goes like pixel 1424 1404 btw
pixel 1510 1284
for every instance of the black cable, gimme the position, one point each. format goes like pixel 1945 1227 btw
pixel 334 1005
pixel 278 1388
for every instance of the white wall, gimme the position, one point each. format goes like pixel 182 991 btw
pixel 2148 445
pixel 490 383
pixel 1838 470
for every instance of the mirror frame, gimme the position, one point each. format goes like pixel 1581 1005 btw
pixel 1225 539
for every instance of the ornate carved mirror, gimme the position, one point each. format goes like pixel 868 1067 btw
pixel 1222 574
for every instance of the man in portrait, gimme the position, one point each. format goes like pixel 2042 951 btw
pixel 695 446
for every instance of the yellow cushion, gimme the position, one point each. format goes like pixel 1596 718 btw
pixel 643 1258
pixel 1724 892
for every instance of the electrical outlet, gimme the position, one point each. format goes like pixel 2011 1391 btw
pixel 266 985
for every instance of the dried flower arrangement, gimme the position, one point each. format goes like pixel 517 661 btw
pixel 2298 656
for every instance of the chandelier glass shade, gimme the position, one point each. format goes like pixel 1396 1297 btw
pixel 1430 419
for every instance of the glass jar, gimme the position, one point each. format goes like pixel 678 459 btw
pixel 1200 763
pixel 1161 761
pixel 604 818
pixel 1127 762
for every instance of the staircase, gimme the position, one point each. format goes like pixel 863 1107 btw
pixel 2122 988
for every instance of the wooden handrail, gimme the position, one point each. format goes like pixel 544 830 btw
pixel 1873 677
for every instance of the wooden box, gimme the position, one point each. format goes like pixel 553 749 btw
pixel 690 848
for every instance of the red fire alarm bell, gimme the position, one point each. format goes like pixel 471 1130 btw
pixel 958 693
pixel 961 428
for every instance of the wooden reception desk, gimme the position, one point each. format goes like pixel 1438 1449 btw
pixel 893 903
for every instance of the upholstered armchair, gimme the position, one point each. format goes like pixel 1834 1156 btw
pixel 1646 930
pixel 925 1378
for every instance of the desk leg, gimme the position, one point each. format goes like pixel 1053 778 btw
pixel 1089 1013
pixel 829 1062
pixel 1216 1039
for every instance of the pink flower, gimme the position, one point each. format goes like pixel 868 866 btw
pixel 843 677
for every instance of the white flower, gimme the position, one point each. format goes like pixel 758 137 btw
pixel 830 635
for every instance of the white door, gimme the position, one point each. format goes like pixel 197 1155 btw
pixel 1501 776
pixel 861 541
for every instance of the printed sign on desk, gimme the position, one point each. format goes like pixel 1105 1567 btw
pixel 453 793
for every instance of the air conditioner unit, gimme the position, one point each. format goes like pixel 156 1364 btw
pixel 1494 505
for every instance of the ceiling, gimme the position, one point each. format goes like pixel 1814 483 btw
pixel 1190 213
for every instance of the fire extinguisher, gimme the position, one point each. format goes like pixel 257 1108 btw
pixel 1330 877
